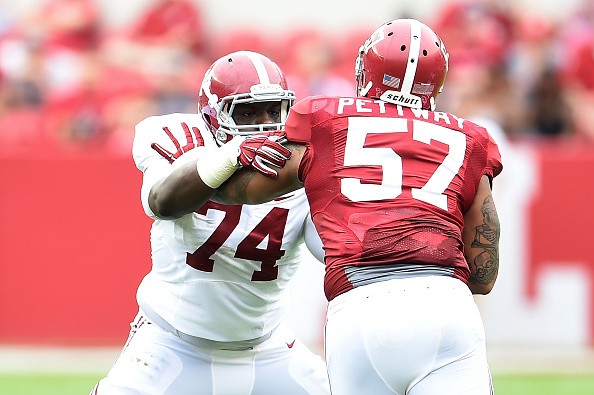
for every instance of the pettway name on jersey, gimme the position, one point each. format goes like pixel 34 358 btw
pixel 363 106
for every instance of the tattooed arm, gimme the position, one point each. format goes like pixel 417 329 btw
pixel 481 240
pixel 251 187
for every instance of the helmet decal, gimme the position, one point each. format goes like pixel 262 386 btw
pixel 376 37
pixel 260 69
pixel 413 56
pixel 392 82
pixel 205 87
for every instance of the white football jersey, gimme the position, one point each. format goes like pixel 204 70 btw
pixel 218 273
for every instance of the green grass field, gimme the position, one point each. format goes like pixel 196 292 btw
pixel 540 384
pixel 46 384
pixel 534 384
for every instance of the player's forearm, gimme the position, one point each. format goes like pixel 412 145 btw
pixel 481 241
pixel 480 286
pixel 246 186
pixel 484 267
pixel 188 187
pixel 182 192
pixel 481 246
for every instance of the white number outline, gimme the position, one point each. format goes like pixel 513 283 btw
pixel 357 155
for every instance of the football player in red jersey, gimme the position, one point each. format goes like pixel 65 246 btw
pixel 400 195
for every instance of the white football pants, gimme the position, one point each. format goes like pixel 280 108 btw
pixel 155 361
pixel 413 336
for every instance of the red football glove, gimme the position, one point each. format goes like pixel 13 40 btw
pixel 264 152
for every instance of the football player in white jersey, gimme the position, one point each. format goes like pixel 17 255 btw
pixel 211 309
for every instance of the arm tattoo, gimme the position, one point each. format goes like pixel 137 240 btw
pixel 485 266
pixel 238 189
pixel 234 191
pixel 294 147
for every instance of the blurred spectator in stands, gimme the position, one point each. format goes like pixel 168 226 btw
pixel 100 112
pixel 484 93
pixel 171 87
pixel 73 25
pixel 519 71
pixel 533 68
pixel 128 99
pixel 475 31
pixel 22 66
pixel 549 114
pixel 170 22
pixel 576 48
pixel 162 50
pixel 477 34
pixel 75 116
pixel 164 31
pixel 65 31
pixel 22 94
pixel 43 55
pixel 309 61
pixel 532 52
pixel 21 124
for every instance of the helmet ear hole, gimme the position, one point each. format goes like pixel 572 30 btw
pixel 208 119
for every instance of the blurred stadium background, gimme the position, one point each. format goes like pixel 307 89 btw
pixel 76 75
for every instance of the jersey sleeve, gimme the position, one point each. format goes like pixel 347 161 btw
pixel 490 150
pixel 493 166
pixel 183 133
pixel 298 125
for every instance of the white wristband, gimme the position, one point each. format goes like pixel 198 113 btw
pixel 216 166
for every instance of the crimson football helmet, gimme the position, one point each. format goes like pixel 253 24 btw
pixel 241 77
pixel 403 62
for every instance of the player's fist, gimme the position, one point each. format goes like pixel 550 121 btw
pixel 264 152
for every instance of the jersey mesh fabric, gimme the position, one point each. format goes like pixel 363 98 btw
pixel 219 273
pixel 395 230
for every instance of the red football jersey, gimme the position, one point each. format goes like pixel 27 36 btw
pixel 388 184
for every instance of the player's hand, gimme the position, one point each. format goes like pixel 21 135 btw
pixel 180 150
pixel 264 152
